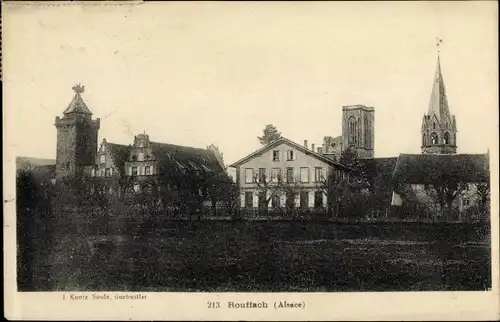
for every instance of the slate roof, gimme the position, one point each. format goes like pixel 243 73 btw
pixel 438 104
pixel 427 168
pixel 77 105
pixel 183 158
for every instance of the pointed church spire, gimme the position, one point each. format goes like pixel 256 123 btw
pixel 438 104
pixel 77 105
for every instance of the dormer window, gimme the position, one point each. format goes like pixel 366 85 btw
pixel 103 159
pixel 140 156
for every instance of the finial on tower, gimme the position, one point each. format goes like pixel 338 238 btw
pixel 79 88
pixel 439 41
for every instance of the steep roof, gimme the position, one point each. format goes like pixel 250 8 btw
pixel 429 168
pixel 438 104
pixel 186 158
pixel 299 147
pixel 77 105
pixel 119 153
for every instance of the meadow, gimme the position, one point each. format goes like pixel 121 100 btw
pixel 265 256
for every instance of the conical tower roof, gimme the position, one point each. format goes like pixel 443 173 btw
pixel 77 105
pixel 438 104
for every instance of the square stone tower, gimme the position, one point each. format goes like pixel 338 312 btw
pixel 76 138
pixel 358 129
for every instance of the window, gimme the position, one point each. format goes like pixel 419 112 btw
pixel 434 125
pixel 103 149
pixel 318 199
pixel 92 172
pixel 304 174
pixel 140 156
pixel 434 138
pixel 446 138
pixel 276 155
pixel 289 175
pixel 352 131
pixel 67 165
pixel 248 199
pixel 107 172
pixel 304 199
pixel 318 174
pixel 290 155
pixel 466 202
pixel 134 171
pixel 275 174
pixel 110 171
pixel 103 159
pixel 147 170
pixel 262 175
pixel 248 175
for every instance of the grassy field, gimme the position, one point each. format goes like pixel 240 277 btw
pixel 270 256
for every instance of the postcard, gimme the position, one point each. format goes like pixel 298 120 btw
pixel 251 160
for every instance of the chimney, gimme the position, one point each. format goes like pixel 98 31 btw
pixel 313 147
pixel 320 150
pixel 305 144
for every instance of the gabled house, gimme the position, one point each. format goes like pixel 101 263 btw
pixel 441 178
pixel 120 165
pixel 284 173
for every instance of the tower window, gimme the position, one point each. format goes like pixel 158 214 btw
pixel 434 138
pixel 446 138
pixel 434 125
pixel 103 159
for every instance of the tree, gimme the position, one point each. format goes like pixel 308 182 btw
pixel 267 189
pixel 270 134
pixel 360 177
pixel 332 187
pixel 483 191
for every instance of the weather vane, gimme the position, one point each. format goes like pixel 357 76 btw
pixel 438 43
pixel 79 88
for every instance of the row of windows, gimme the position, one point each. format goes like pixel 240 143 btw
pixel 290 155
pixel 263 201
pixel 276 175
pixel 108 172
pixel 435 138
pixel 140 171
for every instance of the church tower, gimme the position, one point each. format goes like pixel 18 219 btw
pixel 439 128
pixel 76 138
pixel 358 129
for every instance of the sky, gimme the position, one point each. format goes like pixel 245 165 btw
pixel 200 73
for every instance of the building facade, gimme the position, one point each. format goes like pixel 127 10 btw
pixel 285 174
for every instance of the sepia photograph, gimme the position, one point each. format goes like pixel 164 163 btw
pixel 210 147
